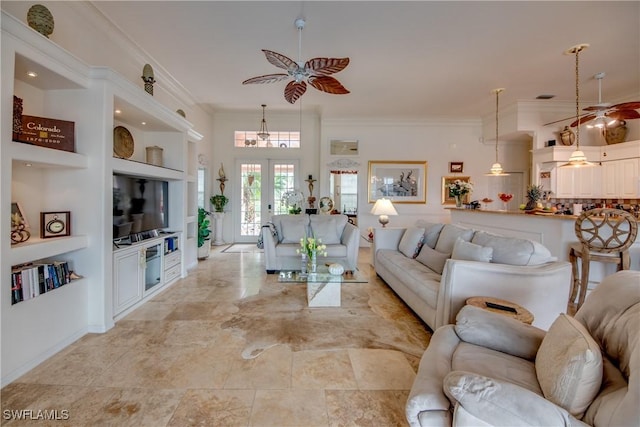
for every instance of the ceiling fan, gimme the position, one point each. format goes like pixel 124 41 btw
pixel 604 113
pixel 317 72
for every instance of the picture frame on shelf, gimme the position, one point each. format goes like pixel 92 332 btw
pixel 448 199
pixel 456 167
pixel 401 181
pixel 55 224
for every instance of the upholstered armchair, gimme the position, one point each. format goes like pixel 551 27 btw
pixel 489 369
pixel 283 240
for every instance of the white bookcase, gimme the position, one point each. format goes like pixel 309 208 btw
pixel 50 180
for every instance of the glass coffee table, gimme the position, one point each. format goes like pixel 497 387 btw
pixel 323 288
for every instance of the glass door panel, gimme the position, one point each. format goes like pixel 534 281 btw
pixel 262 185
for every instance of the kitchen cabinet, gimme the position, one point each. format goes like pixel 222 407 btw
pixel 621 178
pixel 577 182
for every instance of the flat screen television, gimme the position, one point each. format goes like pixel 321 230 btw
pixel 139 205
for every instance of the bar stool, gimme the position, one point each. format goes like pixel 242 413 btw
pixel 605 235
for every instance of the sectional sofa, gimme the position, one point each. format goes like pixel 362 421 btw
pixel 434 268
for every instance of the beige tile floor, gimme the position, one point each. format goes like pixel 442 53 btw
pixel 170 363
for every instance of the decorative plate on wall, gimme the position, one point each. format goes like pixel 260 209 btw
pixel 326 204
pixel 122 142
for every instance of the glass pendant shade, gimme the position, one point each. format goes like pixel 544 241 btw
pixel 263 133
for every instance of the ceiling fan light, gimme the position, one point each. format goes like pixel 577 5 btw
pixel 611 122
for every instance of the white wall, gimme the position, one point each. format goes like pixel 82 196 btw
pixel 436 141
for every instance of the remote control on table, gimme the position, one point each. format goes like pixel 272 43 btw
pixel 500 307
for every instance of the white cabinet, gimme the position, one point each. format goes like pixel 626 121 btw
pixel 128 277
pixel 577 182
pixel 621 179
pixel 616 174
pixel 144 268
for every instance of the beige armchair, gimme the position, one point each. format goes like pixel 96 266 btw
pixel 489 369
pixel 335 231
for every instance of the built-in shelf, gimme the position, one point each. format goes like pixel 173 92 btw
pixel 47 157
pixel 133 167
pixel 36 248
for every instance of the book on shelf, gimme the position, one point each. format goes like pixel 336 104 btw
pixel 33 279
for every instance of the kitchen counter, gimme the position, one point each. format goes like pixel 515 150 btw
pixel 520 213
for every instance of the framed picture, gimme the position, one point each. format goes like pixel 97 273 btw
pixel 343 147
pixel 55 224
pixel 400 181
pixel 16 209
pixel 456 167
pixel 447 198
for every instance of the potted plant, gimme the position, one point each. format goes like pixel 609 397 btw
pixel 219 201
pixel 203 233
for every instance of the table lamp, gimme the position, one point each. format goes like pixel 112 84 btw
pixel 384 208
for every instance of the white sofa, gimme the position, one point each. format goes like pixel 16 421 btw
pixel 335 231
pixel 437 282
pixel 490 369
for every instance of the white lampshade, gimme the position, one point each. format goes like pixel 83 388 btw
pixel 384 208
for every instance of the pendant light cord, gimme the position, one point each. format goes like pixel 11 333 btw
pixel 497 96
pixel 577 100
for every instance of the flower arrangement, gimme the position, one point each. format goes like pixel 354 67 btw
pixel 293 201
pixel 460 188
pixel 311 245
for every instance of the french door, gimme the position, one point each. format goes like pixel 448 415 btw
pixel 261 185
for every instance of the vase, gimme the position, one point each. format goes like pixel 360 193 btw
pixel 458 201
pixel 313 263
pixel 303 264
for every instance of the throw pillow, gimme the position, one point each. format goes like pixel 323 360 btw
pixel 326 231
pixel 320 228
pixel 431 232
pixel 411 242
pixel 294 228
pixel 499 403
pixel 433 259
pixel 471 252
pixel 569 365
pixel 513 251
pixel 448 237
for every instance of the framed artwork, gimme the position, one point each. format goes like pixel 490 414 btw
pixel 456 167
pixel 400 181
pixel 447 198
pixel 343 147
pixel 55 224
pixel 16 209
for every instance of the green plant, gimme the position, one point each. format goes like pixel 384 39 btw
pixel 203 226
pixel 219 201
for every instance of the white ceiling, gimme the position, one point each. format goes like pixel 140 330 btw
pixel 413 59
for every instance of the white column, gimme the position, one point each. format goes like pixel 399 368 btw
pixel 219 218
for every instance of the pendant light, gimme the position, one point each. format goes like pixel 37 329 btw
pixel 263 133
pixel 577 158
pixel 496 168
